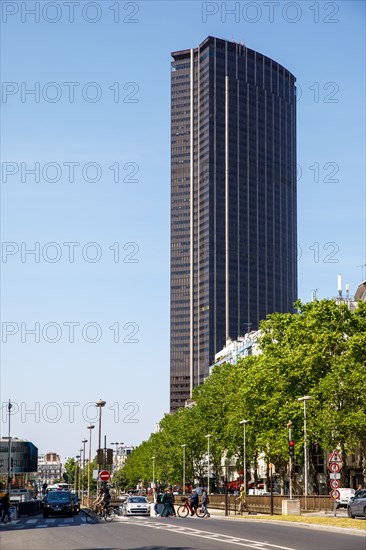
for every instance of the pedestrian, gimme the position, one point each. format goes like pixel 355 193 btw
pixel 204 503
pixel 5 501
pixel 242 501
pixel 157 501
pixel 194 502
pixel 167 500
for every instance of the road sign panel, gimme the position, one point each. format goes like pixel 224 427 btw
pixel 335 483
pixel 335 476
pixel 335 494
pixel 334 467
pixel 335 456
pixel 104 475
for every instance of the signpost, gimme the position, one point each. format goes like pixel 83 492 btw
pixel 335 464
pixel 104 475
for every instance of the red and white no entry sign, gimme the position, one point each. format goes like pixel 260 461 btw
pixel 104 475
pixel 335 494
pixel 335 483
pixel 334 467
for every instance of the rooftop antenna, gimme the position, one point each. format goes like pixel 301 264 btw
pixel 313 294
pixel 347 290
pixel 340 285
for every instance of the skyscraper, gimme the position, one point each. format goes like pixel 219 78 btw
pixel 233 201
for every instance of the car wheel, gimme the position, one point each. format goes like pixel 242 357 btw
pixel 350 515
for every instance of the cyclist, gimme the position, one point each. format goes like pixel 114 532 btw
pixel 98 504
pixel 106 499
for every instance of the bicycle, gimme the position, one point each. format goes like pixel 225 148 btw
pixel 184 509
pixel 108 514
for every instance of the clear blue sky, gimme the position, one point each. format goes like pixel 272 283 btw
pixel 323 46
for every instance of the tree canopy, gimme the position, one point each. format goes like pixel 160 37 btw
pixel 318 351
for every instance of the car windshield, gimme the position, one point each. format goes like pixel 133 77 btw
pixel 137 499
pixel 57 495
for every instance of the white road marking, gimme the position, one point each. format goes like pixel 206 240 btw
pixel 226 539
pixel 29 521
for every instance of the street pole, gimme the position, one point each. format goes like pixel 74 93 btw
pixel 289 426
pixel 208 462
pixel 80 472
pixel 153 459
pixel 90 427
pixel 304 399
pixel 244 423
pixel 184 468
pixel 84 441
pixel 271 485
pixel 9 450
pixel 100 404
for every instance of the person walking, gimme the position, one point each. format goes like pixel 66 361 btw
pixel 204 503
pixel 242 501
pixel 5 501
pixel 157 501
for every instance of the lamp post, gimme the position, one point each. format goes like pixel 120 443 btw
pixel 100 404
pixel 84 442
pixel 184 467
pixel 10 406
pixel 208 462
pixel 153 459
pixel 244 423
pixel 90 427
pixel 304 399
pixel 289 427
pixel 77 474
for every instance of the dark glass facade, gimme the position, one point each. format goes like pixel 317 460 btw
pixel 233 201
pixel 24 456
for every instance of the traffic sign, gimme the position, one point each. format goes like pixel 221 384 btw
pixel 104 475
pixel 335 456
pixel 335 483
pixel 334 467
pixel 335 476
pixel 335 494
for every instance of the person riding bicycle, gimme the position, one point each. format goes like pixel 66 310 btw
pixel 106 499
pixel 98 504
pixel 193 502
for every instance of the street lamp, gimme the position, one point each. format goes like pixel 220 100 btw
pixel 304 399
pixel 208 462
pixel 244 423
pixel 90 427
pixel 10 406
pixel 100 404
pixel 77 474
pixel 84 441
pixel 153 459
pixel 184 467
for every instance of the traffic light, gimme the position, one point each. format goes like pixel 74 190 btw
pixel 291 448
pixel 109 456
pixel 100 456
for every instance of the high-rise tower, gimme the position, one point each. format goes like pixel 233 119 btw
pixel 233 201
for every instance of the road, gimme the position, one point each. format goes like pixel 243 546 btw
pixel 74 533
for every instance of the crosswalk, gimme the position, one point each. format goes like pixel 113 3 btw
pixel 42 523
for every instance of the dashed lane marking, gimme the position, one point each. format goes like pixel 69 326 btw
pixel 226 539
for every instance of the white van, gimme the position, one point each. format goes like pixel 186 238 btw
pixel 344 497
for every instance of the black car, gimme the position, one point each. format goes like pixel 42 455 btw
pixel 76 503
pixel 58 502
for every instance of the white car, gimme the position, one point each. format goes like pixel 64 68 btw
pixel 136 506
pixel 345 495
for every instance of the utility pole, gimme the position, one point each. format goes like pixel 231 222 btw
pixel 9 450
pixel 291 451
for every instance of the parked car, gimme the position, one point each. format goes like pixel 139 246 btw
pixel 136 506
pixel 357 505
pixel 76 503
pixel 58 502
pixel 344 496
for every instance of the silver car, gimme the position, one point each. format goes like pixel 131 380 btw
pixel 357 505
pixel 136 506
